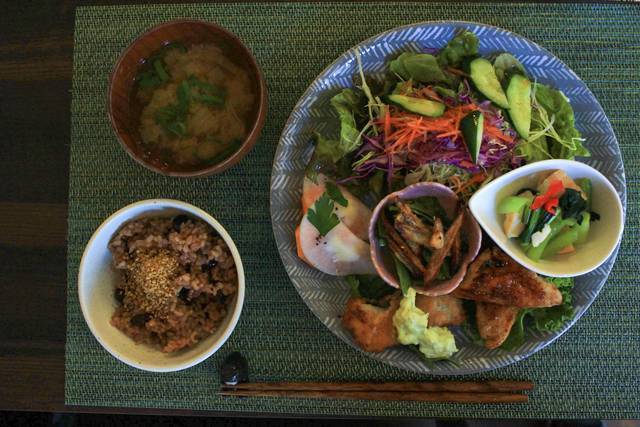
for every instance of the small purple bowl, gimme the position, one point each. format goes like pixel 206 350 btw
pixel 449 202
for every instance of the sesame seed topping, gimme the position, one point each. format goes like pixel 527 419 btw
pixel 152 285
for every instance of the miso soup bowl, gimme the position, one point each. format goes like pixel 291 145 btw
pixel 121 109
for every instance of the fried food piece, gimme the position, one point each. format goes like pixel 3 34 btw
pixel 401 249
pixel 456 253
pixel 443 310
pixel 495 322
pixel 437 234
pixel 438 256
pixel 412 228
pixel 371 326
pixel 495 277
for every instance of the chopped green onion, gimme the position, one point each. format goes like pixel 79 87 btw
pixel 210 100
pixel 184 95
pixel 160 71
pixel 525 237
pixel 206 93
pixel 177 128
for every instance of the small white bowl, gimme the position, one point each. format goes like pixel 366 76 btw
pixel 96 284
pixel 604 234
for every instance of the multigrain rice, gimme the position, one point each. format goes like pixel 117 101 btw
pixel 178 278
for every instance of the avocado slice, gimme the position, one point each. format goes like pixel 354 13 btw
pixel 472 126
pixel 424 107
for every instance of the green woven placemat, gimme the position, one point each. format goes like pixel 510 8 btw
pixel 592 371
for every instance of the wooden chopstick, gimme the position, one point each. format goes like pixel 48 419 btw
pixel 416 396
pixel 436 386
pixel 441 391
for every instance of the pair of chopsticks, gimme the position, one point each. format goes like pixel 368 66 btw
pixel 441 391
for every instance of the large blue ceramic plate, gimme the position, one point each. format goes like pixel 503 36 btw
pixel 326 295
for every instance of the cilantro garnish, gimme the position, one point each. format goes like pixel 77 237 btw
pixel 336 195
pixel 321 215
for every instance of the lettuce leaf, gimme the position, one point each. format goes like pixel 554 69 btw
pixel 542 319
pixel 556 103
pixel 420 67
pixel 347 105
pixel 506 64
pixel 370 287
pixel 463 45
pixel 552 119
pixel 517 335
pixel 534 150
pixel 552 318
pixel 329 156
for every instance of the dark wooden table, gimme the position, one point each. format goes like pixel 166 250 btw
pixel 36 50
pixel 36 62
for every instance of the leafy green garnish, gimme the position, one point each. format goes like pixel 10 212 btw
pixel 354 284
pixel 369 287
pixel 553 133
pixel 543 319
pixel 420 67
pixel 506 64
pixel 552 318
pixel 572 204
pixel 428 208
pixel 516 335
pixel 321 215
pixel 404 278
pixel 328 158
pixel 463 45
pixel 335 194
pixel 470 327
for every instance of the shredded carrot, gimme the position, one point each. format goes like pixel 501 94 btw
pixel 387 123
pixel 408 127
pixel 497 133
